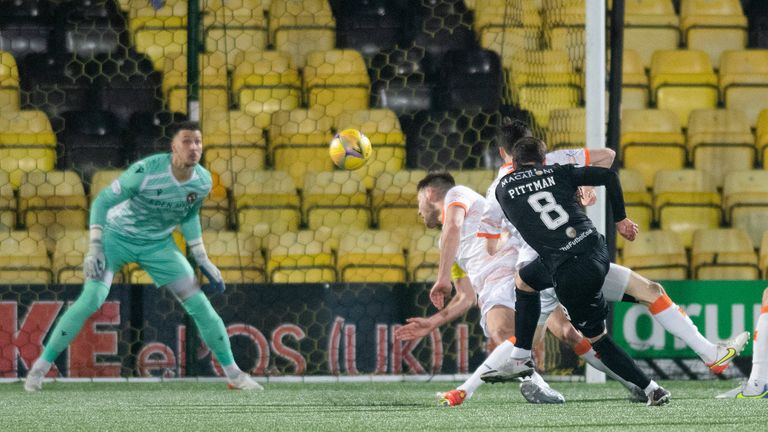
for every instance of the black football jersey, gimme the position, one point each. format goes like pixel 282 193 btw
pixel 539 201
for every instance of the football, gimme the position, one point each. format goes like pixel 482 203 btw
pixel 350 149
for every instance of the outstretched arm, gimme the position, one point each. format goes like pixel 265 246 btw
pixel 460 303
pixel 596 176
pixel 449 246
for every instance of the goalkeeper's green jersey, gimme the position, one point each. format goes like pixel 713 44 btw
pixel 147 202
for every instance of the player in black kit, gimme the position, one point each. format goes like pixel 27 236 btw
pixel 540 202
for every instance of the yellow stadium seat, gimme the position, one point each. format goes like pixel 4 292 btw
pixel 424 256
pixel 226 8
pixel 494 14
pixel 232 27
pixel 304 256
pixel 713 26
pixel 24 259
pixel 563 14
pixel 336 80
pixel 723 254
pixel 232 142
pixel 214 215
pixel 394 199
pixel 637 200
pixel 335 198
pixel 102 179
pixel 213 82
pixel 571 40
pixel 51 202
pixel 9 82
pixel 300 27
pixel 761 142
pixel 27 143
pixel 7 203
pixel 382 127
pixel 263 102
pixel 650 25
pixel 264 82
pixel 237 255
pixel 542 81
pixel 745 201
pixel 476 179
pixel 634 87
pixel 266 197
pixel 509 41
pixel 744 81
pixel 299 142
pixel 683 80
pixel 371 256
pixel 657 255
pixel 160 37
pixel 140 8
pixel 651 140
pixel 567 128
pixel 686 200
pixel 720 141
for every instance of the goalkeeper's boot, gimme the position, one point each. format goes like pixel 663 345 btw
pixel 34 381
pixel 510 370
pixel 727 351
pixel 658 397
pixel 536 393
pixel 451 398
pixel 244 382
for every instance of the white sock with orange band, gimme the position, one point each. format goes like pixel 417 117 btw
pixel 758 378
pixel 498 356
pixel 584 350
pixel 675 321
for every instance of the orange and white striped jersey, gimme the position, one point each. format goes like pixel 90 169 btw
pixel 472 255
pixel 493 222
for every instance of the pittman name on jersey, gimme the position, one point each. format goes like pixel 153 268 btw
pixel 533 186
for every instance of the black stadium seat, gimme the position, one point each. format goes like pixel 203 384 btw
pixel 126 95
pixel 151 132
pixel 399 82
pixel 25 27
pixel 51 83
pixel 441 40
pixel 369 26
pixel 470 79
pixel 440 140
pixel 91 141
pixel 402 98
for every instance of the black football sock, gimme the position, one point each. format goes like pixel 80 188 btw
pixel 619 362
pixel 527 311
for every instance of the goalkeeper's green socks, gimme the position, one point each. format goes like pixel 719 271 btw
pixel 211 329
pixel 69 325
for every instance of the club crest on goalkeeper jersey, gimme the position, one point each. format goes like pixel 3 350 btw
pixel 155 201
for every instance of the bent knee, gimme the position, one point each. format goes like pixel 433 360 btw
pixel 650 292
pixel 571 336
pixel 501 334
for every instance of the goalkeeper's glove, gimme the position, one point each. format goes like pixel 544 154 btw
pixel 215 283
pixel 95 262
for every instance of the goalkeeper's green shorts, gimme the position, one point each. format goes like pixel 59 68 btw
pixel 160 258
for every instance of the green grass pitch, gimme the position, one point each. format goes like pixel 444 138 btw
pixel 401 407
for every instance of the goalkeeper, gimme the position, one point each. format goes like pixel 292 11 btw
pixel 131 221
